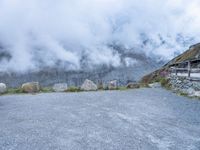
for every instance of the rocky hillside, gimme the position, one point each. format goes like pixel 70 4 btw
pixel 192 53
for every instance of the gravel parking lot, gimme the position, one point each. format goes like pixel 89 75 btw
pixel 148 119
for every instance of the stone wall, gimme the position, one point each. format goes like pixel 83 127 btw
pixel 185 86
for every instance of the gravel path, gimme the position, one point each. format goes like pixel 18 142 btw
pixel 143 119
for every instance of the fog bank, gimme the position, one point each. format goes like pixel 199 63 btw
pixel 65 33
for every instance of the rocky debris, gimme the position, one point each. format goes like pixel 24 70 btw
pixel 184 85
pixel 155 85
pixel 31 87
pixel 60 87
pixel 3 88
pixel 196 93
pixel 112 85
pixel 89 85
pixel 133 86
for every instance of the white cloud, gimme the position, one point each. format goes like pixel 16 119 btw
pixel 49 31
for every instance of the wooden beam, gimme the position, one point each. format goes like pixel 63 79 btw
pixel 189 68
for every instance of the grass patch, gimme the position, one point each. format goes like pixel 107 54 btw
pixel 183 94
pixel 73 89
pixel 46 90
pixel 164 82
pixel 14 91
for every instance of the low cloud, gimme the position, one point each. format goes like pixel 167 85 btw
pixel 49 33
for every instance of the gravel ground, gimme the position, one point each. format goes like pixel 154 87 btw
pixel 143 119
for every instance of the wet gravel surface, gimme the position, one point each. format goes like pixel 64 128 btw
pixel 148 119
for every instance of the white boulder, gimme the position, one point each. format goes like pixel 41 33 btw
pixel 3 88
pixel 197 93
pixel 155 85
pixel 88 85
pixel 60 87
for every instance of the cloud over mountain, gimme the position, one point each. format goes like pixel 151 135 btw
pixel 39 33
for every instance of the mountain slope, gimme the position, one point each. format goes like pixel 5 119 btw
pixel 191 54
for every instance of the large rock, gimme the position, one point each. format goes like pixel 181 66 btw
pixel 133 86
pixel 112 85
pixel 31 87
pixel 88 85
pixel 3 88
pixel 190 91
pixel 60 87
pixel 197 93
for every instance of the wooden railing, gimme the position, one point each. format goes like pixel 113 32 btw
pixel 188 70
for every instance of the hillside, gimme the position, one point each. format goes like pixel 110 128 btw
pixel 192 53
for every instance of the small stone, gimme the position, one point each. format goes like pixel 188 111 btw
pixel 155 85
pixel 133 86
pixel 112 85
pixel 190 91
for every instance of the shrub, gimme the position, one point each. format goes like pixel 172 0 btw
pixel 14 90
pixel 165 83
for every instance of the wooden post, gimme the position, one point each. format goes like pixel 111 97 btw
pixel 176 69
pixel 189 68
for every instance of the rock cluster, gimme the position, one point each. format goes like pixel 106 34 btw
pixel 88 85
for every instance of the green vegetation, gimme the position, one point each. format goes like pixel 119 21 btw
pixel 73 89
pixel 14 91
pixel 46 90
pixel 164 82
pixel 183 94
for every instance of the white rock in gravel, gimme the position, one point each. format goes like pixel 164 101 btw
pixel 3 88
pixel 190 91
pixel 88 85
pixel 155 85
pixel 197 93
pixel 60 87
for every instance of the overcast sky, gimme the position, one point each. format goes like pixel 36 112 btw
pixel 46 31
